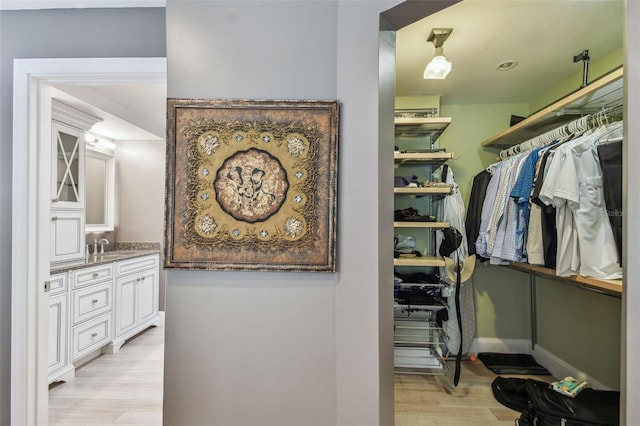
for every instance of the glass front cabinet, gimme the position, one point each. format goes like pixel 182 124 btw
pixel 68 127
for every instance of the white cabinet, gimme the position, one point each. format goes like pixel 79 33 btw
pixel 91 336
pixel 67 168
pixel 95 308
pixel 136 305
pixel 59 367
pixel 91 309
pixel 68 128
pixel 67 235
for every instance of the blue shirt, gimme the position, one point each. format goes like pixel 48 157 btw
pixel 520 193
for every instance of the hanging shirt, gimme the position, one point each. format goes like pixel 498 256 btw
pixel 487 208
pixel 451 209
pixel 520 193
pixel 505 246
pixel 552 193
pixel 610 156
pixel 547 218
pixel 598 252
pixel 534 247
pixel 499 208
pixel 474 208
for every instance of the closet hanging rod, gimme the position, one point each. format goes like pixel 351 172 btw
pixel 578 125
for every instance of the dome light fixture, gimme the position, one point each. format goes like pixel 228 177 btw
pixel 438 68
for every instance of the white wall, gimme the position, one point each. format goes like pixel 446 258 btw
pixel 139 178
pixel 289 348
pixel 630 380
pixel 252 348
pixel 139 195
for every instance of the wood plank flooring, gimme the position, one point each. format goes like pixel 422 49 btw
pixel 126 389
pixel 433 400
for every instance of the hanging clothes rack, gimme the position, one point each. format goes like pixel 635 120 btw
pixel 568 130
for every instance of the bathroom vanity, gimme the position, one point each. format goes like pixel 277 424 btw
pixel 96 304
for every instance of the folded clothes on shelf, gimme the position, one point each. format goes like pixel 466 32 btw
pixel 406 181
pixel 404 243
pixel 411 215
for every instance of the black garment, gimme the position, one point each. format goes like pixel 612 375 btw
pixel 610 157
pixel 474 209
pixel 547 217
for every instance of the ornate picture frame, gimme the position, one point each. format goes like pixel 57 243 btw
pixel 251 185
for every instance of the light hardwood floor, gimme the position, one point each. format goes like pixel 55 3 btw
pixel 126 389
pixel 434 401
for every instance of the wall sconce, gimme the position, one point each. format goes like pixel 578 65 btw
pixel 438 67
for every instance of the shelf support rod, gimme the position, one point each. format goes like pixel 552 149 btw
pixel 534 318
pixel 584 57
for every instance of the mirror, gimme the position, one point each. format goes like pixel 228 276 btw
pixel 99 183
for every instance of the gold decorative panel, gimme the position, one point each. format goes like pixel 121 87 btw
pixel 251 185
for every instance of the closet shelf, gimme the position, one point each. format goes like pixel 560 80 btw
pixel 443 190
pixel 418 261
pixel 602 92
pixel 422 158
pixel 423 325
pixel 613 287
pixel 437 225
pixel 416 127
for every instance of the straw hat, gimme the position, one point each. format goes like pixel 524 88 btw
pixel 466 268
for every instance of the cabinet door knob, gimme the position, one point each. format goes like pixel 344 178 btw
pixel 54 218
pixel 94 335
pixel 96 275
pixel 94 301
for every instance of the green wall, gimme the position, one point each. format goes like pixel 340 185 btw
pixel 503 302
pixel 470 125
pixel 597 68
pixel 581 327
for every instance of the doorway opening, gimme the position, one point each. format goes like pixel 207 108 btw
pixel 33 82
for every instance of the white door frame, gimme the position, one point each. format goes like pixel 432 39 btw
pixel 31 211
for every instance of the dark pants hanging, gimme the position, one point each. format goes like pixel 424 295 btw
pixel 610 157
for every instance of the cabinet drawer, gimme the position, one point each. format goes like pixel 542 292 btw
pixel 88 276
pixel 90 302
pixel 91 336
pixel 133 265
pixel 57 284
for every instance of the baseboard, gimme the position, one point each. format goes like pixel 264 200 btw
pixel 556 366
pixel 561 369
pixel 492 344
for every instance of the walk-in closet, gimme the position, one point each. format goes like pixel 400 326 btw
pixel 530 122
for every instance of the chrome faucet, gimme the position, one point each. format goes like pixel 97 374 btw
pixel 95 247
pixel 102 242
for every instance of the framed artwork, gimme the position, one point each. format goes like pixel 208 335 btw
pixel 251 185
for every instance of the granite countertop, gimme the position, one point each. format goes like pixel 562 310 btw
pixel 121 252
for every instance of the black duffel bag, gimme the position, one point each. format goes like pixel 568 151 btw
pixel 540 405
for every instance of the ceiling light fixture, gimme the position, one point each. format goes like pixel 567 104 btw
pixel 438 68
